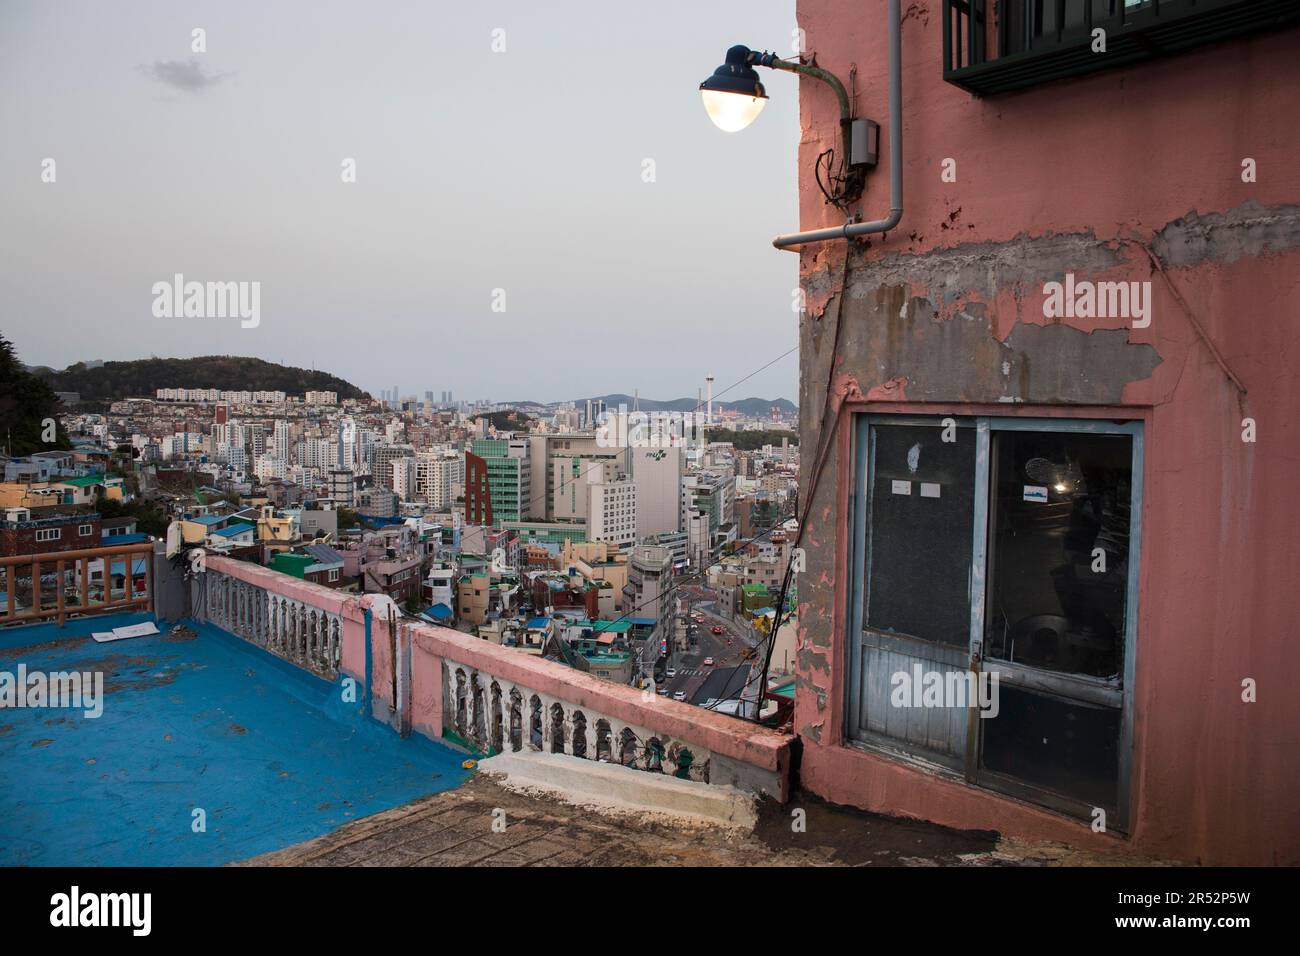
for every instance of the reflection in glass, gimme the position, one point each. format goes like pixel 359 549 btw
pixel 1058 551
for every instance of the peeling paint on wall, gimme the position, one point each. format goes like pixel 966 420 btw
pixel 1250 229
pixel 925 326
pixel 915 355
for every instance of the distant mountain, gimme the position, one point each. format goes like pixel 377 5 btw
pixel 749 407
pixel 141 378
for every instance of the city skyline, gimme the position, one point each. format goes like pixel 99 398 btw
pixel 230 165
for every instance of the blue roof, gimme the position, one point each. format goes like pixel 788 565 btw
pixel 233 530
pixel 207 519
pixel 380 522
pixel 123 538
pixel 643 621
pixel 537 622
pixel 437 612
pixel 137 567
pixel 323 554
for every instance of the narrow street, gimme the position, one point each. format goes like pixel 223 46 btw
pixel 725 650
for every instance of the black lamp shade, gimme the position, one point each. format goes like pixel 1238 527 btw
pixel 736 75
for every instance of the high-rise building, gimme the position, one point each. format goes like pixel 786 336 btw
pixel 478 491
pixel 381 462
pixel 657 473
pixel 709 492
pixel 438 470
pixel 509 476
pixel 611 509
pixel 267 467
pixel 342 487
pixel 405 478
pixel 282 438
pixel 648 594
pixel 346 459
pixel 572 479
pixel 554 470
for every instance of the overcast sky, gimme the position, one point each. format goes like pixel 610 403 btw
pixel 475 171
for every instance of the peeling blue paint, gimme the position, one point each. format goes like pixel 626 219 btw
pixel 270 753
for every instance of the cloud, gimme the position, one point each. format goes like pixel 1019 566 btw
pixel 188 76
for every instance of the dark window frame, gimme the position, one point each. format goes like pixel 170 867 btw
pixel 1118 692
pixel 1134 34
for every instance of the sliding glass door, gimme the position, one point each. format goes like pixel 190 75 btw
pixel 993 622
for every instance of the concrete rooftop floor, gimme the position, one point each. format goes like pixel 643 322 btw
pixel 455 828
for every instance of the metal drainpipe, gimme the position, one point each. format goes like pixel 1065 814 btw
pixel 795 241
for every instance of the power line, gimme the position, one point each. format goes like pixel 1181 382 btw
pixel 778 525
pixel 761 368
pixel 825 438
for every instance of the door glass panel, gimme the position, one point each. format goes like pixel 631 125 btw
pixel 1065 746
pixel 922 523
pixel 1058 551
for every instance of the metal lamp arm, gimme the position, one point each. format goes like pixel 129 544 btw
pixel 851 188
pixel 774 62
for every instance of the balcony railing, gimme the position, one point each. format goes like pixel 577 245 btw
pixel 57 585
pixel 1036 41
pixel 301 633
pixel 446 684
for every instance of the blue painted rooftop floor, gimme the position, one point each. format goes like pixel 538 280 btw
pixel 270 753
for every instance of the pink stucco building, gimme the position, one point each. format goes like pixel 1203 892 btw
pixel 1062 413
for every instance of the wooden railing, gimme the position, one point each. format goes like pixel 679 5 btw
pixel 72 590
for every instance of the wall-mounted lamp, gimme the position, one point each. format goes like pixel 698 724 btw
pixel 733 95
pixel 733 98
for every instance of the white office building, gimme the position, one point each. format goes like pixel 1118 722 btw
pixel 611 509
pixel 657 474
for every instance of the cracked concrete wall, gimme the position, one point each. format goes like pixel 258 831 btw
pixel 1125 176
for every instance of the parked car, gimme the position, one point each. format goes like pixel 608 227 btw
pixel 717 630
pixel 662 691
pixel 708 662
pixel 680 695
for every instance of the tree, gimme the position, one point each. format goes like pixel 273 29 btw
pixel 114 380
pixel 150 517
pixel 751 440
pixel 29 409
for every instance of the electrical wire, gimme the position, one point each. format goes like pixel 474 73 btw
pixel 566 482
pixel 778 524
pixel 825 438
pixel 695 575
pixel 835 195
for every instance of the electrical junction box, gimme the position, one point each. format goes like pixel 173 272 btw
pixel 864 142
